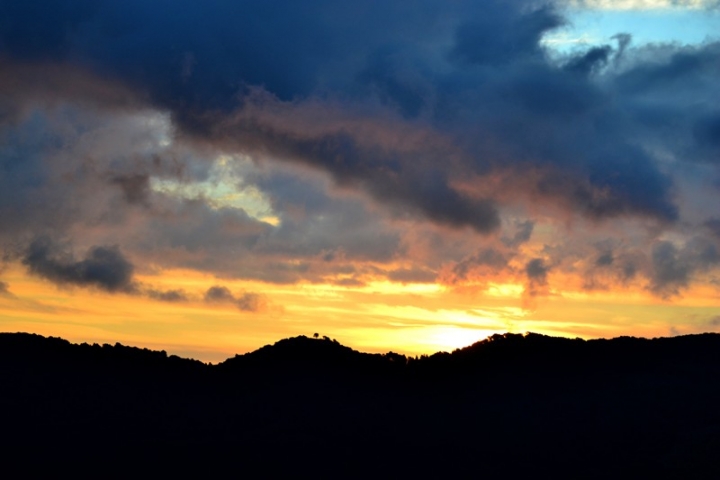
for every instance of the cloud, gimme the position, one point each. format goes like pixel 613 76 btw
pixel 371 135
pixel 713 225
pixel 218 294
pixel 640 4
pixel 502 35
pixel 173 295
pixel 486 262
pixel 247 301
pixel 4 289
pixel 412 275
pixel 536 273
pixel 492 80
pixel 673 267
pixel 103 267
pixel 605 260
pixel 670 273
pixel 522 234
pixel 591 61
pixel 135 187
pixel 391 162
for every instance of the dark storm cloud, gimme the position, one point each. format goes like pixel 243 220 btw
pixel 191 56
pixel 448 112
pixel 194 59
pixel 501 36
pixel 706 132
pixel 103 267
pixel 408 182
pixel 678 70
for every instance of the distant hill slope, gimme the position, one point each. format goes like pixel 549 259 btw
pixel 524 351
pixel 509 405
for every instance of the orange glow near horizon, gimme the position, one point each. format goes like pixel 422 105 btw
pixel 411 319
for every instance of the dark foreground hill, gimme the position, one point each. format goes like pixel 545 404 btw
pixel 508 406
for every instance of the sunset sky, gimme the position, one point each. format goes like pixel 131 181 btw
pixel 209 177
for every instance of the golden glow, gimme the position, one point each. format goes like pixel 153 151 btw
pixel 412 319
pixel 224 188
pixel 505 289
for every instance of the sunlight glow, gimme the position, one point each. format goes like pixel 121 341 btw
pixel 505 289
pixel 224 188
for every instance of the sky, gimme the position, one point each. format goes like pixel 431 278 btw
pixel 209 177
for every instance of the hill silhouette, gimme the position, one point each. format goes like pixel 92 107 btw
pixel 509 405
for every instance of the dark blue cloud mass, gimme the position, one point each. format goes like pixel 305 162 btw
pixel 470 70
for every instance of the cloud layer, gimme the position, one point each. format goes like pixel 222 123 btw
pixel 420 142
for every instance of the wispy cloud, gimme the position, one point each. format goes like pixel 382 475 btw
pixel 641 4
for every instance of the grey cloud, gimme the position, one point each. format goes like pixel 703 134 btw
pixel 629 270
pixel 673 268
pixel 247 301
pixel 670 273
pixel 349 282
pixel 316 222
pixel 604 260
pixel 522 234
pixel 489 258
pixel 397 179
pixel 537 271
pixel 192 225
pixel 219 294
pixel 612 263
pixel 173 295
pixel 103 267
pixel 713 224
pixel 135 187
pixel 412 275
pixel 4 289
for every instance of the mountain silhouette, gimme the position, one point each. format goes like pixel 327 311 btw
pixel 510 405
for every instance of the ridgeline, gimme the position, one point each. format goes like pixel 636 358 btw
pixel 506 406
